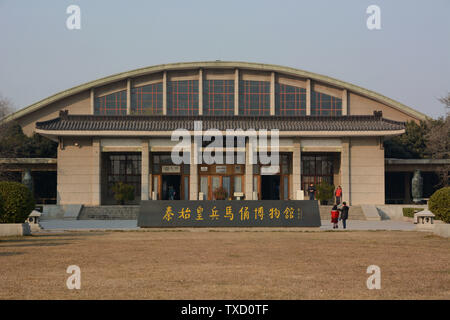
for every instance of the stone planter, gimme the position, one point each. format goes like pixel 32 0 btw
pixel 14 229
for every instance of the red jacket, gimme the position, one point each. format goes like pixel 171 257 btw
pixel 334 214
pixel 338 192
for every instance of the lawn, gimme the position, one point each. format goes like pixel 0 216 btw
pixel 221 264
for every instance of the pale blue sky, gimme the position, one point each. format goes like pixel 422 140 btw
pixel 407 60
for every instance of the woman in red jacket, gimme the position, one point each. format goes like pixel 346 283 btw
pixel 335 216
pixel 338 194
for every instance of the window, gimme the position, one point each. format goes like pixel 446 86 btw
pixel 218 97
pixel 316 168
pixel 147 99
pixel 111 104
pixel 290 100
pixel 125 168
pixel 182 97
pixel 325 105
pixel 254 98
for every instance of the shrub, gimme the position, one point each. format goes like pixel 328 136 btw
pixel 439 204
pixel 325 192
pixel 123 192
pixel 409 212
pixel 220 193
pixel 18 202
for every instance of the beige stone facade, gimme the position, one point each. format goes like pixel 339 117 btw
pixel 357 156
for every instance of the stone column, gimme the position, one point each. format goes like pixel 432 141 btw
pixel 308 97
pixel 272 94
pixel 193 177
pixel 96 172
pixel 92 101
pixel 165 92
pixel 296 169
pixel 345 171
pixel 248 170
pixel 236 92
pixel 128 96
pixel 344 102
pixel 200 92
pixel 145 164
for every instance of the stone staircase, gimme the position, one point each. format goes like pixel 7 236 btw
pixel 109 213
pixel 354 213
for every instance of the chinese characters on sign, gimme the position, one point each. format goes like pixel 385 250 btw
pixel 224 213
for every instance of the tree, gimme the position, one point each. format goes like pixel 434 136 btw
pixel 438 142
pixel 5 107
pixel 411 144
pixel 15 144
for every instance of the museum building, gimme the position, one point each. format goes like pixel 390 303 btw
pixel 118 129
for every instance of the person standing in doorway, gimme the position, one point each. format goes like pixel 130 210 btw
pixel 334 216
pixel 344 214
pixel 311 191
pixel 338 194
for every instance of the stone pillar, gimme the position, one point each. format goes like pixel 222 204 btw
pixel 308 97
pixel 145 163
pixel 193 177
pixel 92 101
pixel 248 170
pixel 128 96
pixel 96 172
pixel 344 102
pixel 272 94
pixel 296 169
pixel 236 92
pixel 165 92
pixel 345 171
pixel 200 92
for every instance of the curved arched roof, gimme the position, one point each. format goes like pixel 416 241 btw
pixel 218 64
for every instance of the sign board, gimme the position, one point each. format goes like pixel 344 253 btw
pixel 229 213
pixel 221 169
pixel 270 170
pixel 170 169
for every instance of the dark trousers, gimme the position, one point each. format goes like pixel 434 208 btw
pixel 338 200
pixel 311 196
pixel 344 223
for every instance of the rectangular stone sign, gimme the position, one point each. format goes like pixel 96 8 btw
pixel 228 213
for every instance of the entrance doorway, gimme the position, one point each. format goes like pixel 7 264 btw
pixel 270 187
pixel 171 187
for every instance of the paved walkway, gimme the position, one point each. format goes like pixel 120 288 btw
pixel 85 225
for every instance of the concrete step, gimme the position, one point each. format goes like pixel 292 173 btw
pixel 109 213
pixel 354 213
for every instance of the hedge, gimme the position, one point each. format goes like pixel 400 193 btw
pixel 18 202
pixel 439 204
pixel 409 212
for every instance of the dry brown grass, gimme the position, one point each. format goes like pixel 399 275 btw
pixel 225 265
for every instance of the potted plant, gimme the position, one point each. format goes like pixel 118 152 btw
pixel 220 193
pixel 123 192
pixel 325 192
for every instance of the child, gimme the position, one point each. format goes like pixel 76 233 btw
pixel 334 216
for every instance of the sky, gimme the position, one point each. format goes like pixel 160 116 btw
pixel 408 59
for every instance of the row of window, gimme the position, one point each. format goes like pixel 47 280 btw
pixel 218 99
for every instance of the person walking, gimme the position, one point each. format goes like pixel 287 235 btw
pixel 334 216
pixel 338 194
pixel 344 214
pixel 311 191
